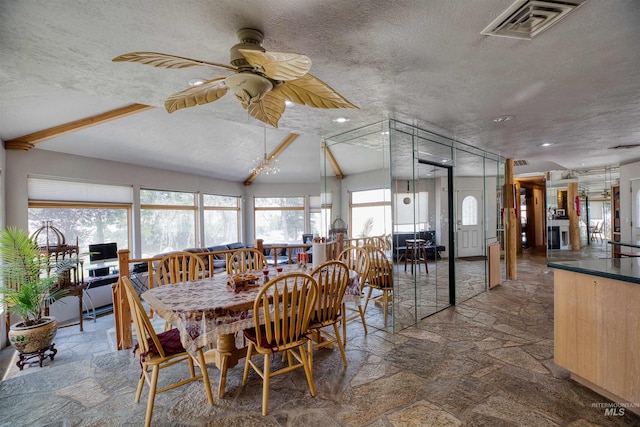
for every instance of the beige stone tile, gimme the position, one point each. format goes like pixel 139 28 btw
pixel 88 392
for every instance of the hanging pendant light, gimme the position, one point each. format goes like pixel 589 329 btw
pixel 266 165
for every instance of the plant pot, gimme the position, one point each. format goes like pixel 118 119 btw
pixel 30 339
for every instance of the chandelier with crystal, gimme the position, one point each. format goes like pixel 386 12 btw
pixel 265 165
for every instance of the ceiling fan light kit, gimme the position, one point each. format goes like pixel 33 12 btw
pixel 262 81
pixel 248 88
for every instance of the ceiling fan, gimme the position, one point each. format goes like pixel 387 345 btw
pixel 262 80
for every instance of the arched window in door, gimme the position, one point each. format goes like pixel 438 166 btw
pixel 469 211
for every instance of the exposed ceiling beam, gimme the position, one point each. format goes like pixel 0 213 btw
pixel 332 161
pixel 279 149
pixel 27 142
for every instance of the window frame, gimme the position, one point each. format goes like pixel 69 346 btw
pixel 46 204
pixel 164 207
pixel 385 203
pixel 237 208
pixel 256 209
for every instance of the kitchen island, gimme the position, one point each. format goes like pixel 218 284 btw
pixel 597 325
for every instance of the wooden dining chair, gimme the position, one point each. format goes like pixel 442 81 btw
pixel 388 244
pixel 376 241
pixel 332 278
pixel 246 260
pixel 286 303
pixel 181 267
pixel 356 259
pixel 159 351
pixel 596 232
pixel 380 277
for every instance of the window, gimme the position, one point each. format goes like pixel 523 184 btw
pixel 320 210
pixel 91 213
pixel 221 219
pixel 596 210
pixel 167 221
pixel 370 212
pixel 89 223
pixel 470 211
pixel 279 219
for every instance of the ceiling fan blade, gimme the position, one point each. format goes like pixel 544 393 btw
pixel 269 110
pixel 208 91
pixel 163 60
pixel 278 65
pixel 311 91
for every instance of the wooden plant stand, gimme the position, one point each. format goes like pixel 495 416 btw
pixel 40 354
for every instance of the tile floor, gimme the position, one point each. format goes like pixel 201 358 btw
pixel 485 362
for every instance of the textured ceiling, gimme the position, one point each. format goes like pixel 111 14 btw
pixel 576 86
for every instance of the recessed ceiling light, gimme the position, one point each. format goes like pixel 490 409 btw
pixel 503 119
pixel 341 120
pixel 546 144
pixel 445 160
pixel 196 82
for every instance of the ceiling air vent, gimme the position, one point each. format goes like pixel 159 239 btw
pixel 525 19
pixel 520 163
pixel 624 147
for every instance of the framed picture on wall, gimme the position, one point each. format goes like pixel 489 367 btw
pixel 560 212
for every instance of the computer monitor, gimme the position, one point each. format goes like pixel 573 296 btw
pixel 103 252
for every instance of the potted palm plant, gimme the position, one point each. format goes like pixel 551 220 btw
pixel 30 284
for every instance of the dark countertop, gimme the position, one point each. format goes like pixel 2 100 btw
pixel 629 244
pixel 624 269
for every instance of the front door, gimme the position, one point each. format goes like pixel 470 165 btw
pixel 470 222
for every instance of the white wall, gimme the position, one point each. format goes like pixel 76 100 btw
pixel 627 173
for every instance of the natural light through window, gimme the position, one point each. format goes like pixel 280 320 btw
pixel 370 212
pixel 221 219
pixel 469 211
pixel 167 221
pixel 279 219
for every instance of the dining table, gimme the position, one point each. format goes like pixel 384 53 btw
pixel 209 314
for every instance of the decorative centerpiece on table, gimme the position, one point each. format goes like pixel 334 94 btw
pixel 31 285
pixel 242 282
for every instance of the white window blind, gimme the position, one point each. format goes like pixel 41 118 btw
pixel 73 191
